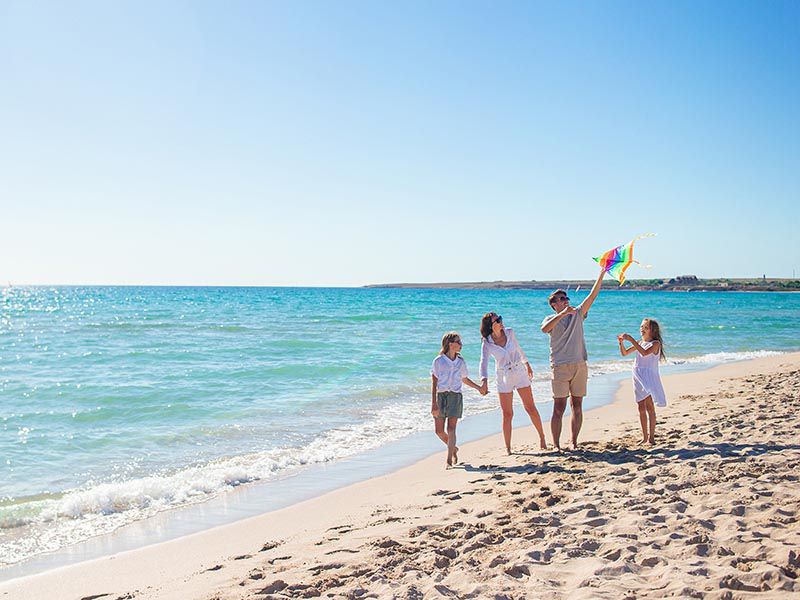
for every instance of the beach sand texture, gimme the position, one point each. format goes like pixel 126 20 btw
pixel 710 512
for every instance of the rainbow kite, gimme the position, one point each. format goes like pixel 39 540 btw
pixel 615 262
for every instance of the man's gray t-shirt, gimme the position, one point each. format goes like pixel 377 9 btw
pixel 566 339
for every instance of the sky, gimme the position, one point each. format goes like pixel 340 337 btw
pixel 348 143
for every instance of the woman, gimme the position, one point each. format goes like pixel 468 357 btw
pixel 513 373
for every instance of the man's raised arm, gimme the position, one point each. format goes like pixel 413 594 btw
pixel 587 303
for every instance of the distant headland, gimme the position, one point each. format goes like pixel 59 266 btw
pixel 682 283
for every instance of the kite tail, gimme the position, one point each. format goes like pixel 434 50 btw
pixel 636 239
pixel 644 235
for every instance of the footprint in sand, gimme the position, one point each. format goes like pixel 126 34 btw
pixel 342 550
pixel 518 571
pixel 317 569
pixel 276 586
pixel 269 546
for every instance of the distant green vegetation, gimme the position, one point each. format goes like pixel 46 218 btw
pixel 693 283
pixel 680 283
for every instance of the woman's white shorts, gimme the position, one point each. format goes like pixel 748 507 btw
pixel 512 379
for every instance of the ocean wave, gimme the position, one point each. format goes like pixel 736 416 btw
pixel 624 364
pixel 721 357
pixel 84 513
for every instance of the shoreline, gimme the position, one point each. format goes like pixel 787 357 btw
pixel 194 558
pixel 260 497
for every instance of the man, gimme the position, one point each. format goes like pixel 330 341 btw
pixel 568 358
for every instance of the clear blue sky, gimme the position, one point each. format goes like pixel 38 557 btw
pixel 345 143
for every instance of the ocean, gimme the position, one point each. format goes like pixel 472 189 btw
pixel 119 403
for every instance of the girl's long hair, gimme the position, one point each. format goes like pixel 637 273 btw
pixel 655 333
pixel 450 336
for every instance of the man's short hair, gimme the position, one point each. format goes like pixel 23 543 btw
pixel 554 294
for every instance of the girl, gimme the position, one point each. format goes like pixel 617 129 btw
pixel 647 388
pixel 448 372
pixel 513 373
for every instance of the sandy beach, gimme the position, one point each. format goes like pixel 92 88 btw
pixel 710 512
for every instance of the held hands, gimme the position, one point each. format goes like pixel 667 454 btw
pixel 484 389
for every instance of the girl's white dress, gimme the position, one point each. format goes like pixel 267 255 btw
pixel 646 380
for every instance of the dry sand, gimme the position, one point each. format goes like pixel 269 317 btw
pixel 710 512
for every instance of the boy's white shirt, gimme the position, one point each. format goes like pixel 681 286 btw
pixel 449 373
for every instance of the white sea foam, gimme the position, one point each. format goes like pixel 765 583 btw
pixel 722 357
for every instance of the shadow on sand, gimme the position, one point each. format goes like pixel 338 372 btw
pixel 693 451
pixel 553 462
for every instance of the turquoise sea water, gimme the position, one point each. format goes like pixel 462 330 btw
pixel 120 402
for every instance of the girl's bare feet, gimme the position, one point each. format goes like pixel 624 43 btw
pixel 508 451
pixel 542 444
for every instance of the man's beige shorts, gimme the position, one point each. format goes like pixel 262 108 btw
pixel 570 380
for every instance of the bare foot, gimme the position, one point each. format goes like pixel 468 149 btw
pixel 574 445
pixel 455 456
pixel 542 444
pixel 643 441
pixel 508 451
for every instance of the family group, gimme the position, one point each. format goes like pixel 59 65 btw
pixel 570 374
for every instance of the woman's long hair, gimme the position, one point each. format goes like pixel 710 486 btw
pixel 450 336
pixel 655 333
pixel 486 324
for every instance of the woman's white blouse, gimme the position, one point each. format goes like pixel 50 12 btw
pixel 505 357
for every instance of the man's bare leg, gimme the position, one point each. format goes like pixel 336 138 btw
pixel 559 406
pixel 576 404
